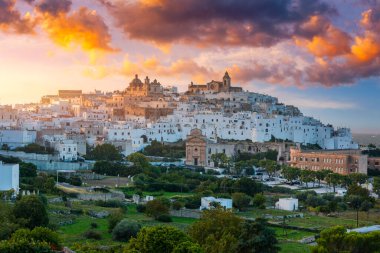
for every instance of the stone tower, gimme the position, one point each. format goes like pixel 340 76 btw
pixel 226 82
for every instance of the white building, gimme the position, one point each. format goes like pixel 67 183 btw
pixel 364 230
pixel 9 177
pixel 67 150
pixel 288 204
pixel 207 203
pixel 17 138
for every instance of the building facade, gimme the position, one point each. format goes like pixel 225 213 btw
pixel 339 161
pixel 9 177
pixel 374 163
pixel 214 86
pixel 196 146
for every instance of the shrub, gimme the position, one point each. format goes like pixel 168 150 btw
pixel 114 218
pixel 164 218
pixel 111 203
pixel 141 208
pixel 124 230
pixel 31 210
pixel 94 225
pixel 156 208
pixel 177 205
pixel 259 201
pixel 76 211
pixel 92 234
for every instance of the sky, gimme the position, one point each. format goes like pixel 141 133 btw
pixel 322 56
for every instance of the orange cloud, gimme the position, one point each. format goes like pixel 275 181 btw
pixel 83 28
pixel 327 41
pixel 366 48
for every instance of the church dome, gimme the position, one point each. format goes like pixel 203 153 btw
pixel 136 81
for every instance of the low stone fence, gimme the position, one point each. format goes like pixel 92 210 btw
pixel 101 196
pixel 187 213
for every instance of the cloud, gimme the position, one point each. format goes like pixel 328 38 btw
pixel 11 20
pixel 362 61
pixel 214 22
pixel 54 7
pixel 83 28
pixel 327 40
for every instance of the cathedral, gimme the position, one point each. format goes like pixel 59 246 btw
pixel 137 88
pixel 214 86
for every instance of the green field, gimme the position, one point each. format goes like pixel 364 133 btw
pixel 158 193
pixel 293 247
pixel 73 233
pixel 322 222
pixel 288 238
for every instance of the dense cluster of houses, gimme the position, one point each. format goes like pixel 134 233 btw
pixel 147 111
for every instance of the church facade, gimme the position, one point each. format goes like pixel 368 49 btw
pixel 214 86
pixel 137 88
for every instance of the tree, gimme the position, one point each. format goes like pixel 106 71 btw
pixel 139 160
pixel 28 170
pixel 331 240
pixel 36 241
pixel 188 247
pixel 7 220
pixel 321 175
pixel 157 239
pixel 357 190
pixel 114 218
pixel 259 201
pixel 355 202
pixel 376 185
pixel 291 173
pixel 257 237
pixel 44 183
pixel 337 240
pixel 220 160
pixel 32 211
pixel 156 208
pixel 35 148
pixel 38 234
pixel 217 231
pixel 240 200
pixel 125 230
pixel 358 178
pixel 271 167
pixel 247 186
pixel 106 152
pixel 333 179
pixel 306 176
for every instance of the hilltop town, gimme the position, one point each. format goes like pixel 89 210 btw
pixel 146 111
pixel 120 164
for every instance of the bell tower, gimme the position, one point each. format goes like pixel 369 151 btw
pixel 226 82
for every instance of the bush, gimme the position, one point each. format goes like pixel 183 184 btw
pixel 164 218
pixel 111 203
pixel 156 208
pixel 94 225
pixel 259 201
pixel 114 218
pixel 32 211
pixel 76 211
pixel 92 234
pixel 141 208
pixel 177 205
pixel 124 230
